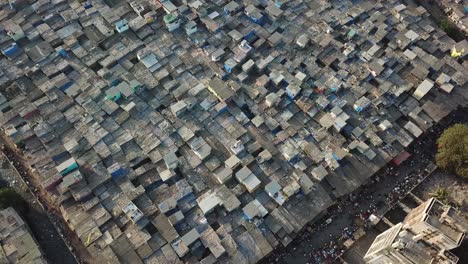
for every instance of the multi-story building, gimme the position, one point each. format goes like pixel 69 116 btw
pixel 425 236
pixel 398 245
pixel 438 224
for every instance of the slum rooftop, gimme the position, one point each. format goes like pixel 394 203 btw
pixel 16 242
pixel 205 131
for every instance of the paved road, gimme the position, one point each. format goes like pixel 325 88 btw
pixel 389 183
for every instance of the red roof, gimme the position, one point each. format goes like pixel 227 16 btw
pixel 400 158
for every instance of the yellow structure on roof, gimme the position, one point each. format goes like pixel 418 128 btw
pixel 456 54
pixel 89 239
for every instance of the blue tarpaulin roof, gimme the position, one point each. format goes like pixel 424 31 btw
pixel 64 87
pixel 118 173
pixel 10 50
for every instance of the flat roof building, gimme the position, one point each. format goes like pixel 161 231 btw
pixel 397 245
pixel 439 224
pixel 426 235
pixel 17 245
pixel 219 89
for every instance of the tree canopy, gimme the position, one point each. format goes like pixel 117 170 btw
pixel 452 154
pixel 441 194
pixel 447 26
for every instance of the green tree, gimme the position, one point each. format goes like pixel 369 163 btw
pixel 447 26
pixel 452 154
pixel 10 198
pixel 441 194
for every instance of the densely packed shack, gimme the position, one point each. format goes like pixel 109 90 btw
pixel 209 131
